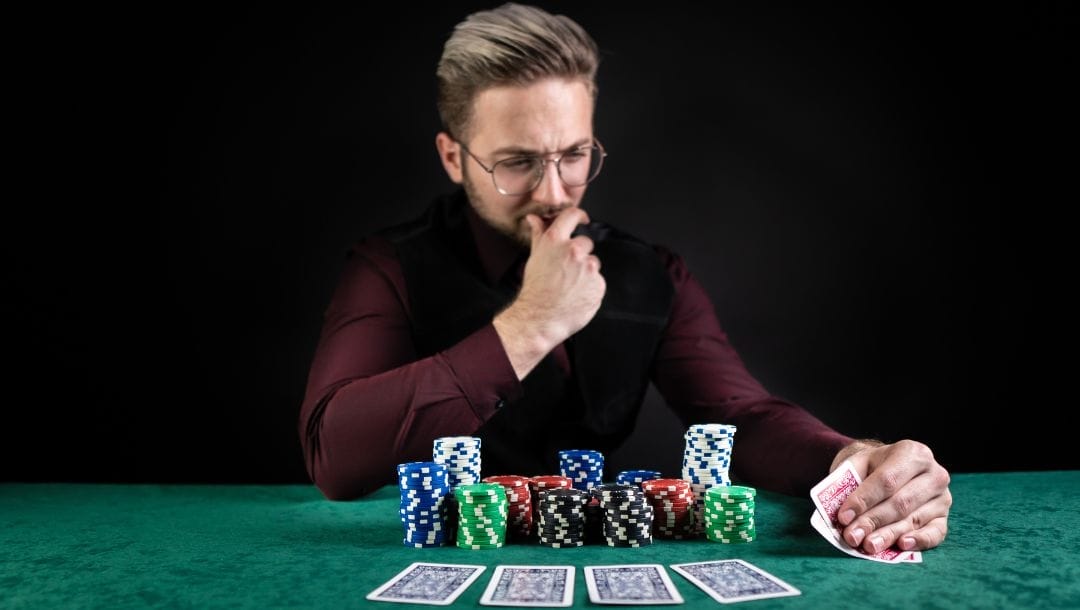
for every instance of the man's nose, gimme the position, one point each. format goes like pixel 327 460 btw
pixel 551 190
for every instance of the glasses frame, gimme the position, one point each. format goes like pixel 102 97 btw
pixel 545 158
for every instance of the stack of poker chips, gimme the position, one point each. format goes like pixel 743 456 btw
pixel 482 516
pixel 424 490
pixel 461 454
pixel 519 502
pixel 729 514
pixel 673 508
pixel 705 463
pixel 562 517
pixel 628 518
pixel 636 477
pixel 582 466
pixel 539 484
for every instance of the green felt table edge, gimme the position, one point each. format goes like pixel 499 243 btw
pixel 1012 543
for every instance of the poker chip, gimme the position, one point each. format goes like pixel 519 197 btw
pixel 706 460
pixel 673 507
pixel 461 456
pixel 519 523
pixel 628 518
pixel 424 490
pixel 636 477
pixel 540 483
pixel 584 467
pixel 561 521
pixel 482 515
pixel 729 514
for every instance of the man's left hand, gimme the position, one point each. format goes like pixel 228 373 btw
pixel 903 499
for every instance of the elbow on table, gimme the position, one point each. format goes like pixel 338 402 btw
pixel 338 483
pixel 344 489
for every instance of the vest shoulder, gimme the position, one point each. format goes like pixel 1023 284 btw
pixel 444 212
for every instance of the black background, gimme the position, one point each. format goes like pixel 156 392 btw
pixel 875 198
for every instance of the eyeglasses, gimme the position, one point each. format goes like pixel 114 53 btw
pixel 522 174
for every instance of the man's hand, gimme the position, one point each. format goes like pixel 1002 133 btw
pixel 904 497
pixel 561 291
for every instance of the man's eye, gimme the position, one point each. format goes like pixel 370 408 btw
pixel 520 164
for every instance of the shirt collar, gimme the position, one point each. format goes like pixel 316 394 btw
pixel 498 253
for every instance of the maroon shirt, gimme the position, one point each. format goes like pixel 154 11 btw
pixel 372 403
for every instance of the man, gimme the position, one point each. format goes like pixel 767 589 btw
pixel 494 315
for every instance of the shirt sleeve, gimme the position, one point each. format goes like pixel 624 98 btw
pixel 371 402
pixel 778 446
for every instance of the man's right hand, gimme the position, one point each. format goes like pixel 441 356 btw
pixel 561 291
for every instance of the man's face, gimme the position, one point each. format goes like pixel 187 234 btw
pixel 549 116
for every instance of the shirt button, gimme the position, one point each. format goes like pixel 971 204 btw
pixel 500 403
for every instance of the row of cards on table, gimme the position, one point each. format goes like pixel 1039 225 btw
pixel 727 581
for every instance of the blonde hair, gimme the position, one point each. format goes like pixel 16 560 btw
pixel 513 44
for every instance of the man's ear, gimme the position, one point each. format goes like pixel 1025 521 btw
pixel 450 154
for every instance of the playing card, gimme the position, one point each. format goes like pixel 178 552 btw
pixel 889 555
pixel 631 584
pixel 427 583
pixel 828 495
pixel 535 586
pixel 831 492
pixel 734 580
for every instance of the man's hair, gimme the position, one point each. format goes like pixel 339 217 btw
pixel 510 45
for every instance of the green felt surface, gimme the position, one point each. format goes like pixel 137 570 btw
pixel 1014 543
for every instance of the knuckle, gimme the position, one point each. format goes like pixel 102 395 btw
pixel 903 503
pixel 890 481
pixel 942 477
pixel 947 497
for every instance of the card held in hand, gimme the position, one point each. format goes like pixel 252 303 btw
pixel 734 580
pixel 831 492
pixel 438 584
pixel 637 584
pixel 531 586
pixel 828 496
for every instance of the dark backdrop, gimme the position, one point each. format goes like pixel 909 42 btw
pixel 873 197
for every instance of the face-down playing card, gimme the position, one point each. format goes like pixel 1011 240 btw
pixel 734 580
pixel 631 584
pixel 427 583
pixel 530 586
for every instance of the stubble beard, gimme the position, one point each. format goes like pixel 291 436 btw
pixel 519 231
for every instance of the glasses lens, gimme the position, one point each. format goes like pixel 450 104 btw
pixel 579 167
pixel 519 175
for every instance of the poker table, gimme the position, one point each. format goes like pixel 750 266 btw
pixel 1013 543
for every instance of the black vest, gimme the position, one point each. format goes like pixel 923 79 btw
pixel 597 406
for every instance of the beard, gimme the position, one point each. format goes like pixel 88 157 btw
pixel 513 227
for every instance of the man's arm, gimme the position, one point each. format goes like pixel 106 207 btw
pixel 370 402
pixel 904 497
pixel 778 446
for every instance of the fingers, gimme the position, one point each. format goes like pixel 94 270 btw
pixel 924 528
pixel 886 471
pixel 536 228
pixel 561 229
pixel 905 491
pixel 925 537
pixel 567 221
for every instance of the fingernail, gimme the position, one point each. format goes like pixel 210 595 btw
pixel 907 543
pixel 876 543
pixel 846 517
pixel 856 536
